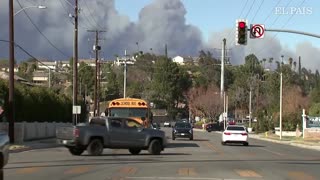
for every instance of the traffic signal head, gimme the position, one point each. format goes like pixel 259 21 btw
pixel 241 32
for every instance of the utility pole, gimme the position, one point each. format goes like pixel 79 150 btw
pixel 166 50
pixel 224 110
pixel 125 74
pixel 250 107
pixel 49 80
pixel 75 63
pixel 281 97
pixel 96 48
pixel 11 73
pixel 222 66
pixel 98 84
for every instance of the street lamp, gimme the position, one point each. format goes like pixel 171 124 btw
pixel 39 7
pixel 11 68
pixel 281 97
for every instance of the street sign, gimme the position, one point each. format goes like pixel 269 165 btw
pixel 76 109
pixel 257 31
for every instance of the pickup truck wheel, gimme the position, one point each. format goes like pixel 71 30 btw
pixel 134 151
pixel 95 147
pixel 155 147
pixel 75 151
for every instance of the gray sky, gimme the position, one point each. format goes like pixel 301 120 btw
pixel 160 22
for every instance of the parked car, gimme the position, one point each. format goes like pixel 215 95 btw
pixel 110 132
pixel 210 127
pixel 235 134
pixel 156 126
pixel 182 130
pixel 4 149
pixel 166 124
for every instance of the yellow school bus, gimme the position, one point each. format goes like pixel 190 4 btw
pixel 137 109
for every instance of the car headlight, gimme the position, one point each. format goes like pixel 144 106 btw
pixel 190 131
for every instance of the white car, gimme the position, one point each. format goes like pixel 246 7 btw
pixel 166 124
pixel 235 134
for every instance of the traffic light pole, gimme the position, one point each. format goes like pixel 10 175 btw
pixel 291 31
pixel 294 32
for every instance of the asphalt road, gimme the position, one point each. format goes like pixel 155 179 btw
pixel 203 158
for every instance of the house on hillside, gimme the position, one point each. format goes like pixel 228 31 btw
pixel 183 60
pixel 122 60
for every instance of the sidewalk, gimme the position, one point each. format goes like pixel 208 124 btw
pixel 313 144
pixel 36 144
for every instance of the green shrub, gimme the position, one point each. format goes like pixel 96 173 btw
pixel 39 104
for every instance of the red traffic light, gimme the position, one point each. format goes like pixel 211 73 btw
pixel 242 24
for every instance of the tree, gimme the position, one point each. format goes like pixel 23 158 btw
pixel 270 62
pixel 205 102
pixel 86 78
pixel 166 85
pixel 294 65
pixel 290 62
pixel 264 62
pixel 111 89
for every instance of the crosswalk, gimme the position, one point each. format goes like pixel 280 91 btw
pixel 135 172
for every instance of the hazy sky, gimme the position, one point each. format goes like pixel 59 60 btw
pixel 187 26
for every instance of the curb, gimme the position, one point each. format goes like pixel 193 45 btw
pixel 317 148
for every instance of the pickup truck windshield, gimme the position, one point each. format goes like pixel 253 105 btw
pixel 128 112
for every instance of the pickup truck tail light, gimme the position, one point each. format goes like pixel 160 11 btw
pixel 76 132
pixel 227 133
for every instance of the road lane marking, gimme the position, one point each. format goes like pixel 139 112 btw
pixel 182 178
pixel 247 173
pixel 187 172
pixel 213 148
pixel 78 170
pixel 297 175
pixel 273 152
pixel 28 170
pixel 128 170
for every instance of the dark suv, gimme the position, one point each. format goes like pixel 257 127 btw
pixel 182 130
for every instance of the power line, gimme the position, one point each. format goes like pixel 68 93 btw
pixel 62 53
pixel 87 19
pixel 257 11
pixel 250 8
pixel 273 38
pixel 67 14
pixel 90 14
pixel 271 12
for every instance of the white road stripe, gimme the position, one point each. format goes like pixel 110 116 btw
pixel 273 152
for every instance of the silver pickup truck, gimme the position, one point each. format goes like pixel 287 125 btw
pixel 4 149
pixel 110 132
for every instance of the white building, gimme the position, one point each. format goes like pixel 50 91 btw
pixel 47 64
pixel 122 60
pixel 182 60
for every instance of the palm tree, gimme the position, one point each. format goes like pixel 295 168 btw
pixel 295 65
pixel 278 64
pixel 264 62
pixel 270 61
pixel 290 62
